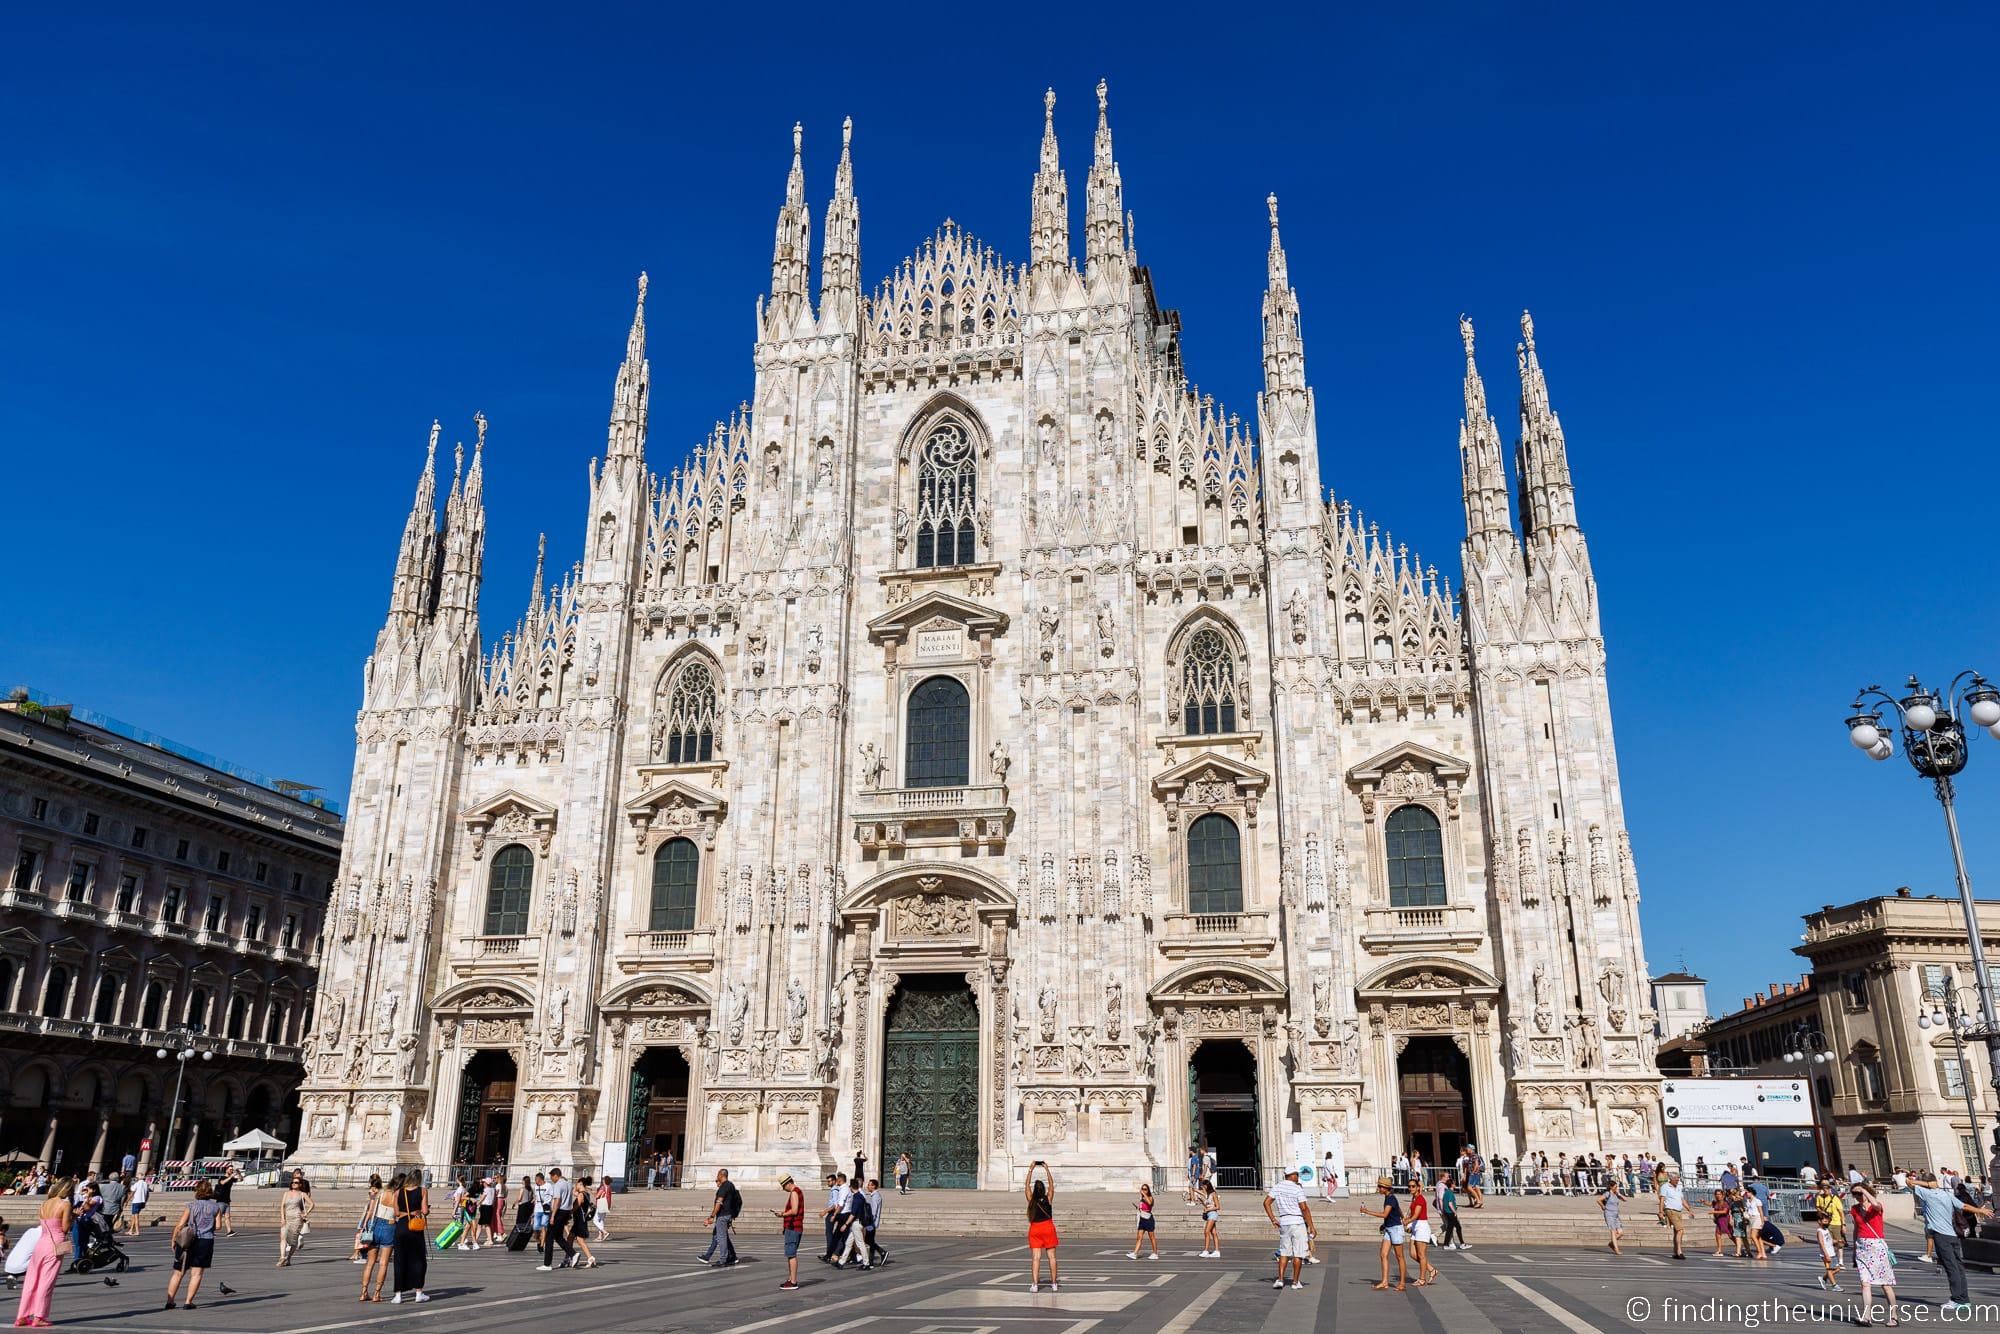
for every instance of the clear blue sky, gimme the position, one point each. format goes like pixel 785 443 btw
pixel 247 254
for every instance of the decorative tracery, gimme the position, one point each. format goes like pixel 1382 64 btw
pixel 1208 690
pixel 685 726
pixel 947 496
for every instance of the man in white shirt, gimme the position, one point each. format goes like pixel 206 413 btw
pixel 1809 1175
pixel 1673 1210
pixel 1854 1177
pixel 1285 1205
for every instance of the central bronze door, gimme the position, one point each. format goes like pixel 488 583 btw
pixel 930 1083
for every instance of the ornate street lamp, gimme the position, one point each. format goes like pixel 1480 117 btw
pixel 1944 1013
pixel 1808 1046
pixel 1934 741
pixel 182 1046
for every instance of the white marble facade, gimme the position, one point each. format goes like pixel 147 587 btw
pixel 999 475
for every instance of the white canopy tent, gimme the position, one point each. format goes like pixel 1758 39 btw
pixel 257 1142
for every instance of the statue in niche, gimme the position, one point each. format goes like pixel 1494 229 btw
pixel 1295 612
pixel 902 527
pixel 1611 983
pixel 1544 1012
pixel 997 757
pixel 823 462
pixel 385 1014
pixel 1047 619
pixel 1104 437
pixel 1322 992
pixel 1045 1001
pixel 1114 1006
pixel 1107 639
pixel 814 638
pixel 795 1012
pixel 1288 477
pixel 872 767
pixel 736 1007
pixel 1045 435
pixel 558 1015
pixel 1517 1045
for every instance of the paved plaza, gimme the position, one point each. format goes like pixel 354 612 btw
pixel 655 1285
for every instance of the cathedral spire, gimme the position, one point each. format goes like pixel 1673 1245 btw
pixel 627 438
pixel 1104 235
pixel 1548 501
pixel 416 558
pixel 1284 348
pixel 535 593
pixel 840 267
pixel 464 537
pixel 1049 216
pixel 1485 476
pixel 791 254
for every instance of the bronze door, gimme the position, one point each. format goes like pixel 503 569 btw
pixel 930 1084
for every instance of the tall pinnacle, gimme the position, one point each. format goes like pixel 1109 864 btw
pixel 416 557
pixel 1284 346
pixel 1048 223
pixel 791 254
pixel 627 438
pixel 1479 456
pixel 840 267
pixel 1548 500
pixel 1104 216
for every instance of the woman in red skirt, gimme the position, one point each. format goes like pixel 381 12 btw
pixel 1041 1226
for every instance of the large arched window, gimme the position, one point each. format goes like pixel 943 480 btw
pixel 105 1011
pixel 55 992
pixel 1215 866
pixel 676 880
pixel 687 727
pixel 155 1005
pixel 197 1015
pixel 1415 848
pixel 947 496
pixel 239 1015
pixel 509 887
pixel 1208 686
pixel 939 750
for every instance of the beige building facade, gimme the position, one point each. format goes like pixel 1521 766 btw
pixel 986 747
pixel 1899 1088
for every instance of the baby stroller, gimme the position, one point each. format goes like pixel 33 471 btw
pixel 100 1249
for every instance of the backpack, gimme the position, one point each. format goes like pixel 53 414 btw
pixel 864 1218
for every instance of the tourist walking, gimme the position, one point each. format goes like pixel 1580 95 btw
pixel 1041 1226
pixel 600 1209
pixel 1608 1202
pixel 874 1230
pixel 52 1247
pixel 411 1259
pixel 1148 1230
pixel 791 1229
pixel 903 1169
pixel 1285 1206
pixel 836 1200
pixel 1420 1235
pixel 486 1222
pixel 852 1237
pixel 1831 1212
pixel 559 1200
pixel 721 1215
pixel 374 1239
pixel 1940 1208
pixel 294 1208
pixel 194 1243
pixel 1673 1211
pixel 1874 1264
pixel 1753 1222
pixel 582 1209
pixel 1194 1172
pixel 142 1190
pixel 115 1191
pixel 1327 1174
pixel 1211 1221
pixel 1719 1214
pixel 1391 1214
pixel 1448 1216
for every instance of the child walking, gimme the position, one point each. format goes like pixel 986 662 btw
pixel 1829 1255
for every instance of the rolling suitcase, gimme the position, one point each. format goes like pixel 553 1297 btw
pixel 452 1232
pixel 517 1240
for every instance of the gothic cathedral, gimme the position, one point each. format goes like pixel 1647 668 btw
pixel 985 747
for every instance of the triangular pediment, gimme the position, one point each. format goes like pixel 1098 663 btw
pixel 676 795
pixel 946 609
pixel 510 802
pixel 1209 767
pixel 1407 754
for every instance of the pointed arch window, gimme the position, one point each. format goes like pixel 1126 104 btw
pixel 687 732
pixel 947 497
pixel 676 885
pixel 1414 843
pixel 1210 691
pixel 939 750
pixel 1215 866
pixel 509 887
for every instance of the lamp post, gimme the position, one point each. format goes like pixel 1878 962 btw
pixel 181 1047
pixel 1808 1046
pixel 1934 741
pixel 1945 1013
